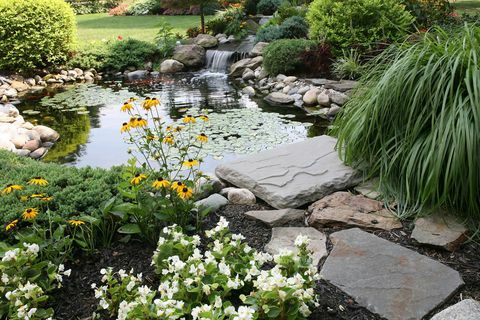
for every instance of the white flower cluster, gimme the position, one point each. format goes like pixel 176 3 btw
pixel 200 285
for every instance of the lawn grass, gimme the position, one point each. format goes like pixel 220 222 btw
pixel 466 6
pixel 101 26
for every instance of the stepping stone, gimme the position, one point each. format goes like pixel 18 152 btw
pixel 213 202
pixel 441 230
pixel 276 218
pixel 342 86
pixel 369 189
pixel 348 210
pixel 284 238
pixel 291 175
pixel 387 279
pixel 467 309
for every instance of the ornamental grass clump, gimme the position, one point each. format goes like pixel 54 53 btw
pixel 415 122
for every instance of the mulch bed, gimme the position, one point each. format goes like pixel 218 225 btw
pixel 76 299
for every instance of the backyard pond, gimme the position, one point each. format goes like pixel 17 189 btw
pixel 88 118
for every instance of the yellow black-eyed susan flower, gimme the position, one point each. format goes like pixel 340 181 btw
pixel 46 199
pixel 168 140
pixel 127 106
pixel 132 122
pixel 160 183
pixel 177 185
pixel 141 122
pixel 151 137
pixel 11 225
pixel 139 177
pixel 30 213
pixel 202 137
pixel 75 223
pixel 146 104
pixel 169 128
pixel 37 195
pixel 125 127
pixel 132 99
pixel 10 188
pixel 189 119
pixel 154 102
pixel 185 193
pixel 178 129
pixel 190 163
pixel 204 118
pixel 38 181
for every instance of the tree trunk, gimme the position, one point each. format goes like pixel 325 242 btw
pixel 202 17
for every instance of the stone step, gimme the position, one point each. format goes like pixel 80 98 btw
pixel 276 218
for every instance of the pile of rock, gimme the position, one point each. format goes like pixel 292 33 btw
pixel 14 86
pixel 320 97
pixel 22 137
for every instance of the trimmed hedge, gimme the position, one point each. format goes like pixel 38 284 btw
pixel 35 33
pixel 284 56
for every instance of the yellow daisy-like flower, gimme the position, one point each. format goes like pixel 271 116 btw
pixel 132 99
pixel 189 119
pixel 30 213
pixel 160 183
pixel 202 137
pixel 139 177
pixel 190 163
pixel 38 181
pixel 125 127
pixel 168 140
pixel 141 122
pixel 185 193
pixel 126 107
pixel 37 195
pixel 154 102
pixel 204 118
pixel 11 225
pixel 133 122
pixel 24 198
pixel 178 129
pixel 177 185
pixel 169 128
pixel 46 199
pixel 151 137
pixel 75 223
pixel 10 188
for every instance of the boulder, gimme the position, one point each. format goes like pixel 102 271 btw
pixel 289 79
pixel 280 77
pixel 347 210
pixel 277 218
pixel 19 140
pixel 31 145
pixel 248 74
pixel 19 86
pixel 190 55
pixel 278 98
pixel 238 67
pixel 6 144
pixel 337 97
pixel 323 99
pixel 171 66
pixel 213 202
pixel 310 97
pixel 6 119
pixel 250 91
pixel 258 49
pixel 207 186
pixel 334 110
pixel 46 133
pixel 39 153
pixel 206 41
pixel 467 309
pixel 137 75
pixel 241 196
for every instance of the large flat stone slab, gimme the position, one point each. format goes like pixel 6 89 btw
pixel 467 309
pixel 390 280
pixel 292 175
pixel 284 238
pixel 276 218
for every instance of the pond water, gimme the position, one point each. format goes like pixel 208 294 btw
pixel 88 118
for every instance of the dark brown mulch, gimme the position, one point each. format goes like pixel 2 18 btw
pixel 76 299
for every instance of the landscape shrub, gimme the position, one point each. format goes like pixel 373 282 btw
pixel 73 191
pixel 91 56
pixel 429 12
pixel 35 33
pixel 166 40
pixel 283 56
pixel 268 7
pixel 292 28
pixel 414 122
pixel 287 10
pixel 317 60
pixel 268 33
pixel 229 21
pixel 92 6
pixel 251 7
pixel 358 23
pixel 119 10
pixel 144 7
pixel 130 53
pixel 348 66
pixel 193 32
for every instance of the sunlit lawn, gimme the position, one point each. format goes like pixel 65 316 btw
pixel 102 26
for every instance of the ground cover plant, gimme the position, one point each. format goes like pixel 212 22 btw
pixel 284 56
pixel 414 123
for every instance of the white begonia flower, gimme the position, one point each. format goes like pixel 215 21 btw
pixel 32 248
pixel 122 273
pixel 224 269
pixel 229 311
pixel 10 255
pixel 217 246
pixel 244 313
pixel 93 285
pixel 238 237
pixel 103 271
pixel 302 240
pixel 31 312
pixel 196 240
pixel 68 272
pixel 206 289
pixel 104 304
pixel 184 242
pixel 5 278
pixel 61 267
pixel 130 285
pixel 218 302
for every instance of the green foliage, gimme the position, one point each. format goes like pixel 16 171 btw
pixel 414 122
pixel 131 52
pixel 429 12
pixel 287 10
pixel 292 28
pixel 251 7
pixel 283 56
pixel 349 66
pixel 35 33
pixel 268 7
pixel 358 23
pixel 92 6
pixel 229 21
pixel 92 56
pixel 166 40
pixel 193 32
pixel 144 7
pixel 268 33
pixel 74 191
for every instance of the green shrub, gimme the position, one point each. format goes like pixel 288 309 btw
pixel 287 10
pixel 268 7
pixel 251 7
pixel 349 66
pixel 166 40
pixel 429 12
pixel 130 53
pixel 143 7
pixel 35 33
pixel 358 23
pixel 415 123
pixel 228 21
pixel 92 56
pixel 292 28
pixel 74 191
pixel 92 6
pixel 283 56
pixel 268 34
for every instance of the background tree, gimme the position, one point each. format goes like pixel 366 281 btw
pixel 185 4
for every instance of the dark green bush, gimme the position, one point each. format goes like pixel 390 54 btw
pixel 358 23
pixel 92 6
pixel 429 12
pixel 251 7
pixel 92 56
pixel 292 28
pixel 130 53
pixel 268 34
pixel 415 121
pixel 74 191
pixel 144 7
pixel 268 7
pixel 35 33
pixel 284 56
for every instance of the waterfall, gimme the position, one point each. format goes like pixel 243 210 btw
pixel 217 60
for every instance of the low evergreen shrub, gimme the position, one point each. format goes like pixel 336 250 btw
pixel 284 56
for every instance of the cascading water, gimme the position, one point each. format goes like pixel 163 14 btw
pixel 217 60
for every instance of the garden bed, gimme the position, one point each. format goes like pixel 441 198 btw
pixel 76 299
